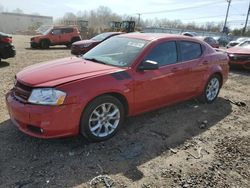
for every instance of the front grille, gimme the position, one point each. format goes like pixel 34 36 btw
pixel 239 57
pixel 22 92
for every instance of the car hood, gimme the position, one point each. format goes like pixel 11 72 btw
pixel 61 71
pixel 238 50
pixel 84 42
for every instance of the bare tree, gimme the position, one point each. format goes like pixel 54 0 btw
pixel 1 8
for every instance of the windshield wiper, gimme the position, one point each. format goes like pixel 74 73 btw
pixel 95 60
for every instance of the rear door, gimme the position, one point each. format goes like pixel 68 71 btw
pixel 191 68
pixel 67 34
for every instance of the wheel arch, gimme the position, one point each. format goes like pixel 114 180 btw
pixel 114 94
pixel 218 73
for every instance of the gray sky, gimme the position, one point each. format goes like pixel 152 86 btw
pixel 197 10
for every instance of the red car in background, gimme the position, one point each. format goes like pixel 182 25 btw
pixel 123 76
pixel 56 35
pixel 240 55
pixel 211 41
pixel 83 46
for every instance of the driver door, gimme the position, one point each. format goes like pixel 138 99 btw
pixel 155 88
pixel 56 35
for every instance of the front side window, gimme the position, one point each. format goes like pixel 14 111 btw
pixel 56 32
pixel 164 53
pixel 190 50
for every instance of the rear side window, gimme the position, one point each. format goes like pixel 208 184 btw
pixel 67 30
pixel 164 53
pixel 190 50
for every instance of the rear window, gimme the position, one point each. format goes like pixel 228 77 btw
pixel 190 50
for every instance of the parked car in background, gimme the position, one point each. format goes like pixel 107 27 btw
pixel 81 47
pixel 56 35
pixel 211 41
pixel 7 49
pixel 236 42
pixel 222 40
pixel 189 34
pixel 123 76
pixel 240 55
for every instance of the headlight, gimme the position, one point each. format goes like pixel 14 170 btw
pixel 47 96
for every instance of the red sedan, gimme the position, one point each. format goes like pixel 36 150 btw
pixel 240 55
pixel 124 76
pixel 83 46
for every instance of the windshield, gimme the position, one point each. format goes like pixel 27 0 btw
pixel 101 36
pixel 47 31
pixel 245 44
pixel 117 51
pixel 241 39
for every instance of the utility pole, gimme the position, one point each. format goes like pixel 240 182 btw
pixel 139 18
pixel 225 23
pixel 245 27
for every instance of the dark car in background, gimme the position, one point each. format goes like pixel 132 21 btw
pixel 83 46
pixel 189 34
pixel 240 55
pixel 222 40
pixel 7 49
pixel 211 41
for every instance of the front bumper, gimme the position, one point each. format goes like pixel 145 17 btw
pixel 7 51
pixel 240 60
pixel 34 44
pixel 44 121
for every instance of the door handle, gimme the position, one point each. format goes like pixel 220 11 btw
pixel 205 62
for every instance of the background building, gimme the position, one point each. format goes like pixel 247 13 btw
pixel 13 23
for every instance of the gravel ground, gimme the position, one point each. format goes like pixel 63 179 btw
pixel 185 145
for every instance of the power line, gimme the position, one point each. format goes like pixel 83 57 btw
pixel 179 9
pixel 217 16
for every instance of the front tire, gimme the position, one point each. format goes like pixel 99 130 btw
pixel 102 118
pixel 44 44
pixel 212 89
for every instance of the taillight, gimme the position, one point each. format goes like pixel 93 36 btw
pixel 6 39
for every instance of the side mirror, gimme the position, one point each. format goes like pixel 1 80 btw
pixel 148 65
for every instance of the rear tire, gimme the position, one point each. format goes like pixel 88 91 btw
pixel 44 44
pixel 102 118
pixel 212 89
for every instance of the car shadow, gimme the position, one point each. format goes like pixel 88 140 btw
pixel 73 161
pixel 239 70
pixel 50 48
pixel 4 64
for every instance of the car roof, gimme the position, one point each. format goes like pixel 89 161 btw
pixel 63 27
pixel 156 36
